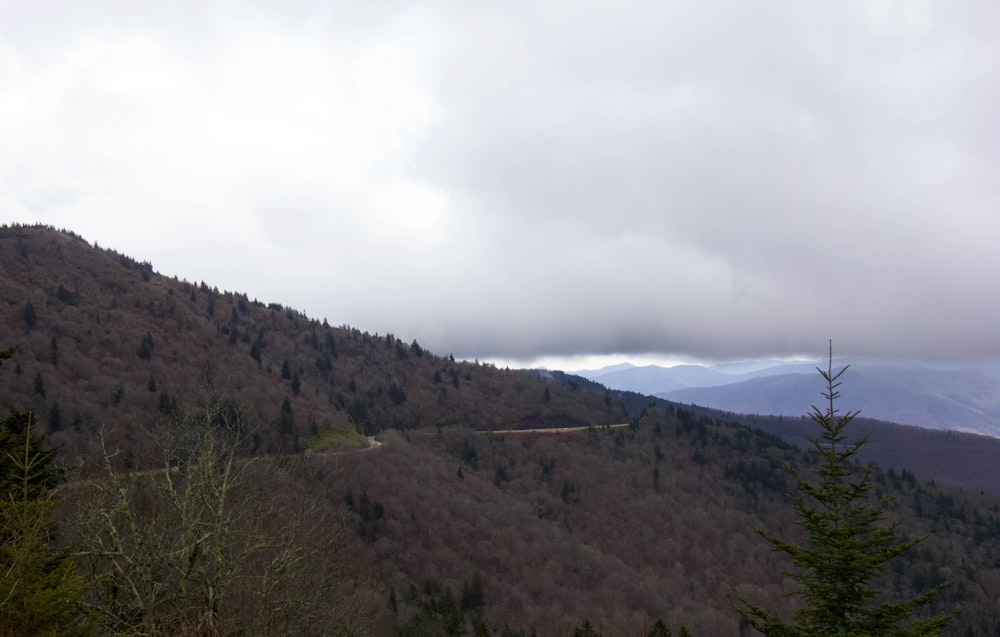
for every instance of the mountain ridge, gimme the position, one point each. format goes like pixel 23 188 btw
pixel 107 342
pixel 619 526
pixel 948 397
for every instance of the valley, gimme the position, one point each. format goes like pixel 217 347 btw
pixel 956 397
pixel 501 502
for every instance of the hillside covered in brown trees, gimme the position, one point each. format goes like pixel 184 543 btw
pixel 106 342
pixel 214 482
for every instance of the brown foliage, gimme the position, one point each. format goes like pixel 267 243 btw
pixel 618 526
pixel 105 324
pixel 623 552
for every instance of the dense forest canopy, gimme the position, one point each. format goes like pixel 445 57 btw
pixel 235 437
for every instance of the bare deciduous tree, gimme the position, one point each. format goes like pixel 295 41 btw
pixel 213 543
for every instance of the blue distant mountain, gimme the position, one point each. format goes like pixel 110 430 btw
pixel 951 397
pixel 653 379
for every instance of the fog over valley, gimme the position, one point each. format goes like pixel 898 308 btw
pixel 509 319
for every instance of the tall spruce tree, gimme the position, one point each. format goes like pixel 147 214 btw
pixel 41 588
pixel 849 541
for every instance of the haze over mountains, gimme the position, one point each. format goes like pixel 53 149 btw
pixel 618 525
pixel 956 397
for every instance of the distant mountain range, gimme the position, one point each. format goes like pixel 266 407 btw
pixel 620 525
pixel 948 397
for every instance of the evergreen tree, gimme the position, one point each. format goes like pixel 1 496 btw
pixel 438 615
pixel 849 542
pixel 255 351
pixel 7 353
pixel 472 594
pixel 67 297
pixel 38 384
pixel 586 630
pixel 40 588
pixel 479 628
pixel 569 494
pixel 55 417
pixel 286 419
pixel 659 629
pixel 145 349
pixel 117 393
pixel 29 316
pixel 396 394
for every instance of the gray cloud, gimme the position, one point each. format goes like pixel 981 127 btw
pixel 528 179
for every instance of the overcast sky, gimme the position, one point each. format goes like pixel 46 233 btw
pixel 516 180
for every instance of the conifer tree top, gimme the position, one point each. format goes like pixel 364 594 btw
pixel 849 541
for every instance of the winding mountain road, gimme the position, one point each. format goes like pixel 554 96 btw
pixel 552 430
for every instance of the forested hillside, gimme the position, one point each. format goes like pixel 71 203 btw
pixel 106 342
pixel 958 459
pixel 214 479
pixel 624 526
